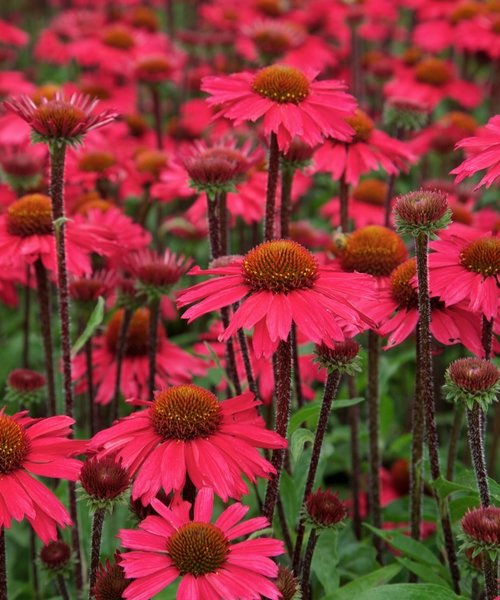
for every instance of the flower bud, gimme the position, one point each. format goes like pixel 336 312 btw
pixel 55 556
pixel 423 211
pixel 325 510
pixel 342 356
pixel 481 531
pixel 104 482
pixel 24 387
pixel 472 380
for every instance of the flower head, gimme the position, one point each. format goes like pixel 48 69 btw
pixel 212 442
pixel 423 211
pixel 59 119
pixel 55 556
pixel 481 531
pixel 325 510
pixel 280 282
pixel 342 356
pixel 472 380
pixel 202 553
pixel 35 447
pixel 292 103
pixel 104 482
pixel 110 580
pixel 24 387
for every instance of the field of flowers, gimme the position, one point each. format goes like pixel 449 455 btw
pixel 249 296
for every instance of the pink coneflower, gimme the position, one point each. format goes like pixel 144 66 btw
pixel 292 103
pixel 280 282
pixel 449 324
pixel 60 118
pixel 35 447
pixel 369 150
pixel 483 152
pixel 431 81
pixel 186 431
pixel 464 267
pixel 172 545
pixel 173 364
pixel 27 234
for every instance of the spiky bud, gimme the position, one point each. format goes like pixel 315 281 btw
pixel 110 581
pixel 104 483
pixel 481 531
pixel 423 211
pixel 342 356
pixel 55 557
pixel 288 585
pixel 24 387
pixel 472 380
pixel 325 510
pixel 405 114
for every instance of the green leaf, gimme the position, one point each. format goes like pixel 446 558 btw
pixel 298 439
pixel 311 411
pixel 93 323
pixel 408 591
pixel 325 560
pixel 422 571
pixel 365 583
pixel 410 548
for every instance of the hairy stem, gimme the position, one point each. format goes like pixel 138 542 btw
pixel 97 524
pixel 417 452
pixel 329 393
pixel 490 569
pixel 120 354
pixel 306 565
pixel 61 584
pixel 154 317
pixel 223 224
pixel 344 204
pixel 474 427
pixel 286 201
pixel 373 437
pixel 26 319
pixel 42 283
pixel 283 396
pixel 272 184
pixel 427 390
pixel 213 227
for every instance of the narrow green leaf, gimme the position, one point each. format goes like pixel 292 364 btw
pixel 93 323
pixel 422 571
pixel 409 591
pixel 365 583
pixel 311 411
pixel 298 439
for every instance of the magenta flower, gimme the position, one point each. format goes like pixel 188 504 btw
pixel 186 431
pixel 483 152
pixel 292 103
pixel 212 567
pixel 280 283
pixel 35 447
pixel 464 267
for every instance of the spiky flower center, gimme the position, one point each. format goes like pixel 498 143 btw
pixel 96 162
pixel 483 525
pixel 287 584
pixel 371 191
pixel 198 549
pixel 110 582
pixel 151 161
pixel 433 71
pixel 464 12
pixel 14 445
pixel 185 412
pixel 103 478
pixel 58 117
pixel 137 339
pixel 272 41
pixel 362 125
pixel 325 509
pixel 482 256
pixel 118 37
pixel 404 294
pixel 474 374
pixel 279 266
pixel 30 215
pixel 282 84
pixel 374 249
pixel 47 92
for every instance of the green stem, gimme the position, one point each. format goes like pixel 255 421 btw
pixel 286 200
pixel 306 566
pixel 154 317
pixel 417 452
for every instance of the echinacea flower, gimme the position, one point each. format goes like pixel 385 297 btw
pixel 369 150
pixel 186 431
pixel 291 101
pixel 397 313
pixel 280 283
pixel 66 120
pixel 35 447
pixel 464 266
pixel 173 364
pixel 203 554
pixel 483 152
